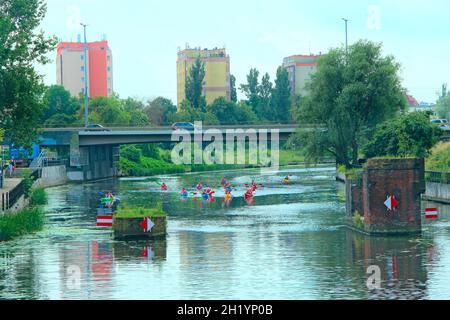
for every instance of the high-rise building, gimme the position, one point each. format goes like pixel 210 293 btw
pixel 70 68
pixel 300 69
pixel 217 69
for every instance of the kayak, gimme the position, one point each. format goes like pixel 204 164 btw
pixel 286 181
pixel 228 197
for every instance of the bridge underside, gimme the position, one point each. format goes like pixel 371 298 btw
pixel 95 155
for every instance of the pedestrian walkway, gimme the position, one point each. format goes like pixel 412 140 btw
pixel 9 184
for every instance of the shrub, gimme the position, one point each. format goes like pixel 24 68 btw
pixel 25 221
pixel 131 153
pixel 439 160
pixel 358 220
pixel 27 182
pixel 39 197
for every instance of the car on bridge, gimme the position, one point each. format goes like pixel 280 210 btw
pixel 442 123
pixel 183 126
pixel 96 127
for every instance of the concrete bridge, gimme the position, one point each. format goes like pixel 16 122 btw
pixel 94 154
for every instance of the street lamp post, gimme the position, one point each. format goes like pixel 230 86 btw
pixel 346 35
pixel 86 92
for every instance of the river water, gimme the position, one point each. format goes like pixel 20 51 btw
pixel 290 243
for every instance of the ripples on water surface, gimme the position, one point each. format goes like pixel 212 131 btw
pixel 289 244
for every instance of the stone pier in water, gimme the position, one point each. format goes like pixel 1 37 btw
pixel 385 198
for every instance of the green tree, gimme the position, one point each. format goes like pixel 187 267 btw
pixel 443 104
pixel 131 152
pixel 159 111
pixel 281 97
pixel 233 94
pixel 188 113
pixel 411 134
pixel 21 88
pixel 194 85
pixel 61 107
pixel 349 97
pixel 135 111
pixel 265 90
pixel 150 150
pixel 228 112
pixel 251 89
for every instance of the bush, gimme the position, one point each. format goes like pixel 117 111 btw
pixel 131 152
pixel 411 134
pixel 39 197
pixel 358 220
pixel 23 222
pixel 439 160
pixel 27 182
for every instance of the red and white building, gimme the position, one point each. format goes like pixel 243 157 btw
pixel 70 68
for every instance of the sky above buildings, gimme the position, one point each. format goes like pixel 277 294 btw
pixel 145 35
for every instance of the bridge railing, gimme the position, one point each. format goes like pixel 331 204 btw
pixel 437 177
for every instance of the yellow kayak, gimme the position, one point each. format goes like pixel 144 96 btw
pixel 286 181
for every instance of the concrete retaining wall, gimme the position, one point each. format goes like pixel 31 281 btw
pixel 51 177
pixel 438 192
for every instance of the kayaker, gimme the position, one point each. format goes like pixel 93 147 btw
pixel 164 187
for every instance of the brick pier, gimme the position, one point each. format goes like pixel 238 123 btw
pixel 403 181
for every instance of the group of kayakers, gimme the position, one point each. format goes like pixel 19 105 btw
pixel 207 194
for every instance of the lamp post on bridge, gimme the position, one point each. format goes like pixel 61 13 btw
pixel 86 91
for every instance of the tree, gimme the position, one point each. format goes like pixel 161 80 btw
pixel 188 113
pixel 135 111
pixel 281 98
pixel 194 85
pixel 60 107
pixel 233 92
pixel 131 152
pixel 443 104
pixel 265 90
pixel 251 89
pixel 228 112
pixel 159 110
pixel 411 134
pixel 349 96
pixel 21 88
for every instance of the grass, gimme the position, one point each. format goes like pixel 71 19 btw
pixel 25 221
pixel 439 160
pixel 291 157
pixel 38 197
pixel 132 213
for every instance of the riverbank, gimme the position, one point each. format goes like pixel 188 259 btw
pixel 143 166
pixel 26 215
pixel 26 221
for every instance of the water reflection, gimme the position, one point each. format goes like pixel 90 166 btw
pixel 290 243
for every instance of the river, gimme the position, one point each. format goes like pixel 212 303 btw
pixel 291 243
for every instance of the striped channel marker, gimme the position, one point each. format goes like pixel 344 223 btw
pixel 104 221
pixel 431 213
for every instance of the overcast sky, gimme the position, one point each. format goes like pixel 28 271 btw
pixel 144 36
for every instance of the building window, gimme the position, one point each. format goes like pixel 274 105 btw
pixel 109 69
pixel 82 68
pixel 82 57
pixel 82 79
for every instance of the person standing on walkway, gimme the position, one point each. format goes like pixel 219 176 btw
pixel 10 169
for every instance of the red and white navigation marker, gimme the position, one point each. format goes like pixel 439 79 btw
pixel 147 225
pixel 431 213
pixel 104 221
pixel 391 203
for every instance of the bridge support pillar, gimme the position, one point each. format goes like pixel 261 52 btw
pixel 96 162
pixel 386 198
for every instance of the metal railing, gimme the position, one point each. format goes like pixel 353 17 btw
pixel 437 177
